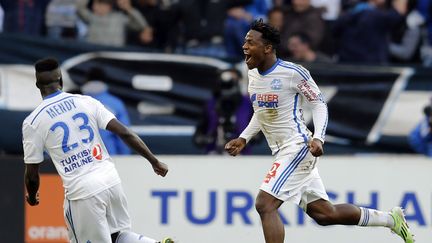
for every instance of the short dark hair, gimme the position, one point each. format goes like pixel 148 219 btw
pixel 46 64
pixel 48 72
pixel 269 33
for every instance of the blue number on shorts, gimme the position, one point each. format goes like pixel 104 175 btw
pixel 65 128
pixel 66 148
pixel 85 126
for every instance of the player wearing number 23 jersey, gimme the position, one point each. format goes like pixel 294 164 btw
pixel 66 125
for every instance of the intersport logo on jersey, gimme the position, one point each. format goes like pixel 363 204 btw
pixel 265 100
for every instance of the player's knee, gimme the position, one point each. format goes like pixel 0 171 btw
pixel 263 206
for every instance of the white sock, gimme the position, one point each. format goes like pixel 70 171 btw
pixel 131 237
pixel 372 217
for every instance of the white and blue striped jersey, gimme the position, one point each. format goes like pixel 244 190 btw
pixel 66 127
pixel 277 96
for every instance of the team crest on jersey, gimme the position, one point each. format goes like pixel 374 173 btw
pixel 272 173
pixel 97 152
pixel 276 84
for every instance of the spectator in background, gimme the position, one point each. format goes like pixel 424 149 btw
pixel 275 17
pixel 301 17
pixel 148 9
pixel 61 19
pixel 420 138
pixel 240 15
pixel 406 42
pixel 363 33
pixel 1 18
pixel 163 16
pixel 24 16
pixel 299 45
pixel 202 23
pixel 107 26
pixel 96 88
pixel 425 8
pixel 330 8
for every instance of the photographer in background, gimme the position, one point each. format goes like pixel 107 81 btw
pixel 226 114
pixel 420 138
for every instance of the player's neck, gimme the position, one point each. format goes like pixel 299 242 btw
pixel 269 62
pixel 49 91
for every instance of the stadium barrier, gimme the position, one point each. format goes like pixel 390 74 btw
pixel 212 198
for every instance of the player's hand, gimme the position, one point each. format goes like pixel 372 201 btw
pixel 316 147
pixel 235 146
pixel 33 201
pixel 160 168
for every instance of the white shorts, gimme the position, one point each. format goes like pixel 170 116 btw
pixel 294 177
pixel 94 219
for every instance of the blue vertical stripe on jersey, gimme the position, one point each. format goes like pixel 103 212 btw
pixel 34 118
pixel 325 125
pixel 296 68
pixel 271 68
pixel 295 118
pixel 289 170
pixel 71 221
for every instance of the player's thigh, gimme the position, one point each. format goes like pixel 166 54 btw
pixel 313 190
pixel 117 210
pixel 283 181
pixel 86 220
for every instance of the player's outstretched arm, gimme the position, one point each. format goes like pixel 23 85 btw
pixel 135 143
pixel 31 180
pixel 235 146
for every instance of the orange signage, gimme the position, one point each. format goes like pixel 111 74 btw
pixel 45 223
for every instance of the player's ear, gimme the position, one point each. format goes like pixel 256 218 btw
pixel 268 48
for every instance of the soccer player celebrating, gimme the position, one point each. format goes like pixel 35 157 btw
pixel 277 89
pixel 67 126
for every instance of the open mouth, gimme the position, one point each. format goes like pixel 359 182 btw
pixel 247 58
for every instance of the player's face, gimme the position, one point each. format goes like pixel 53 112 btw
pixel 254 49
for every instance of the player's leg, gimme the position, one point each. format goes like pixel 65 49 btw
pixel 325 213
pixel 119 221
pixel 267 208
pixel 279 185
pixel 85 220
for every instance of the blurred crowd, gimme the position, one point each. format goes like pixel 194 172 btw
pixel 343 31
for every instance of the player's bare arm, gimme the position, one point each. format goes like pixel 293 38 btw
pixel 235 146
pixel 31 179
pixel 316 147
pixel 135 142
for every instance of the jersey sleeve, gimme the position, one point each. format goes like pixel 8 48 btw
pixel 304 84
pixel 103 115
pixel 251 130
pixel 33 145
